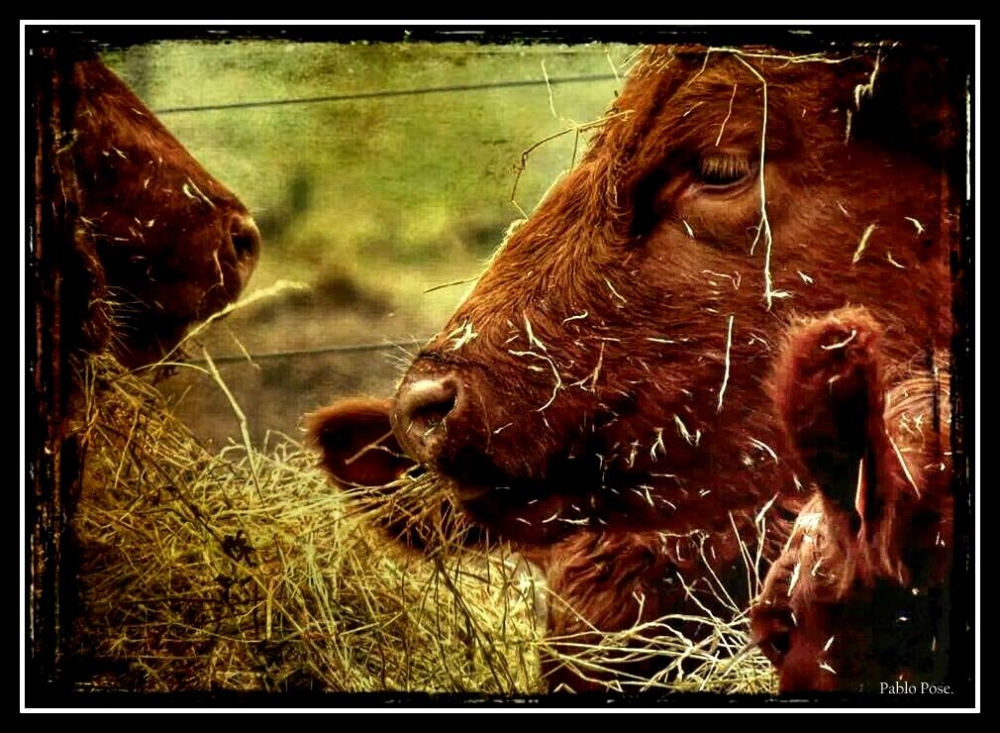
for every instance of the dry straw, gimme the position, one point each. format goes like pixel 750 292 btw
pixel 232 571
pixel 243 570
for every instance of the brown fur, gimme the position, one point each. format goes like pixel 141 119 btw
pixel 132 242
pixel 157 243
pixel 606 380
pixel 856 600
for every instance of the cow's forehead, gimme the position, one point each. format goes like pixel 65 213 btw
pixel 704 70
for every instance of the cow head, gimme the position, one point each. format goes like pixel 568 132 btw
pixel 609 368
pixel 162 243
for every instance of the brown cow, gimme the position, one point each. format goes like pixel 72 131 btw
pixel 856 602
pixel 132 242
pixel 158 243
pixel 602 391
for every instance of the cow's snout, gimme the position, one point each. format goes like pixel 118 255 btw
pixel 420 415
pixel 245 239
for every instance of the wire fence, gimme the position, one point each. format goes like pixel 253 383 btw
pixel 318 351
pixel 388 93
pixel 457 88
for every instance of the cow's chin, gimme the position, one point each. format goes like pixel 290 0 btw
pixel 146 338
pixel 544 511
pixel 519 513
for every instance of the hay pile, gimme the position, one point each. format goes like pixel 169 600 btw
pixel 719 661
pixel 245 571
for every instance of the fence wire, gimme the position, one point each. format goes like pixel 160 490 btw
pixel 387 93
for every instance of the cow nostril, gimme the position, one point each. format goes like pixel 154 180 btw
pixel 245 238
pixel 431 417
pixel 420 412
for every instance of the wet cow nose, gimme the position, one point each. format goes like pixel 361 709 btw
pixel 420 412
pixel 245 237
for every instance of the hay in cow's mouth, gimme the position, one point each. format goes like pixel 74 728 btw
pixel 522 510
pixel 421 510
pixel 540 511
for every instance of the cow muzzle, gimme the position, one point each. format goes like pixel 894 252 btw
pixel 245 241
pixel 425 410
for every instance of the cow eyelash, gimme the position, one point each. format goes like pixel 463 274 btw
pixel 720 170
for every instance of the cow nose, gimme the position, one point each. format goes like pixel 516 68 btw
pixel 420 412
pixel 245 237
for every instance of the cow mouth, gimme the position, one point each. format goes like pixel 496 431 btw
pixel 539 511
pixel 532 500
pixel 153 328
pixel 519 511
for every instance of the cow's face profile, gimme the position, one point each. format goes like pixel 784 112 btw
pixel 607 392
pixel 167 244
pixel 608 369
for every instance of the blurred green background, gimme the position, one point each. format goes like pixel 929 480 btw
pixel 372 201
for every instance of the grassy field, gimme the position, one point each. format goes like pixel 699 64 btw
pixel 377 173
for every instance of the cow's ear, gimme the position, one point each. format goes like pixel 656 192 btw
pixel 356 443
pixel 912 100
pixel 828 394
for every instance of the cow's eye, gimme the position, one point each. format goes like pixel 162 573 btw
pixel 721 170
